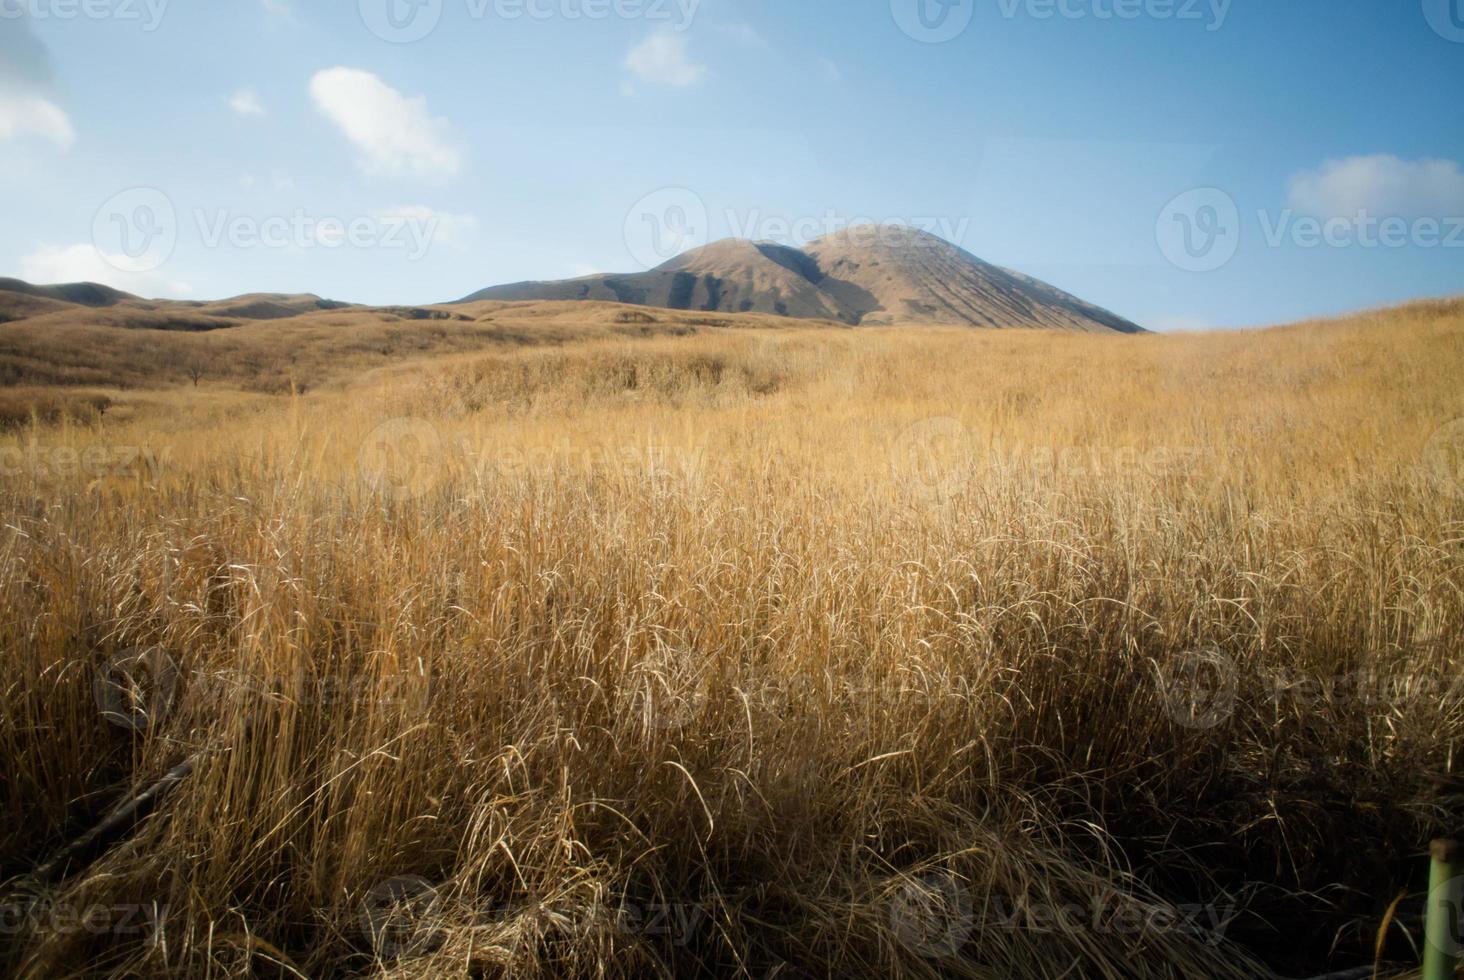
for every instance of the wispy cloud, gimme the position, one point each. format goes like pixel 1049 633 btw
pixel 395 135
pixel 1381 185
pixel 662 59
pixel 85 263
pixel 245 102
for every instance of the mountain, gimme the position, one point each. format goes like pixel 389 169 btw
pixel 869 276
pixel 103 305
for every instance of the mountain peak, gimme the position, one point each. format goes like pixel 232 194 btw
pixel 868 275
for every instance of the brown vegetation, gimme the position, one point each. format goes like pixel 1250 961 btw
pixel 756 653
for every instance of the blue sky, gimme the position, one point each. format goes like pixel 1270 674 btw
pixel 1186 164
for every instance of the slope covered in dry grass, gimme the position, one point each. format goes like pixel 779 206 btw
pixel 772 654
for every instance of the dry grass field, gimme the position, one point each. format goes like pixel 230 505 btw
pixel 772 653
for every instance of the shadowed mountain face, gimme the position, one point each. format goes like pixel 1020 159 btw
pixel 871 276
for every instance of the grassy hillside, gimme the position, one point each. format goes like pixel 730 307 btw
pixel 706 652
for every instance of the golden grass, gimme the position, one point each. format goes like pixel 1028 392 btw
pixel 768 654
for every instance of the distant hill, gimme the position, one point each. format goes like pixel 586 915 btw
pixel 867 276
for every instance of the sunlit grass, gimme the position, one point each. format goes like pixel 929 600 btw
pixel 794 653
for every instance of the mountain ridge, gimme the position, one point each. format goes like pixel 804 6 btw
pixel 863 276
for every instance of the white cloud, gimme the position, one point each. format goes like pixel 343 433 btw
pixel 24 112
pixel 455 230
pixel 395 135
pixel 581 269
pixel 246 102
pixel 84 263
pixel 661 59
pixel 279 8
pixel 830 70
pixel 1382 185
